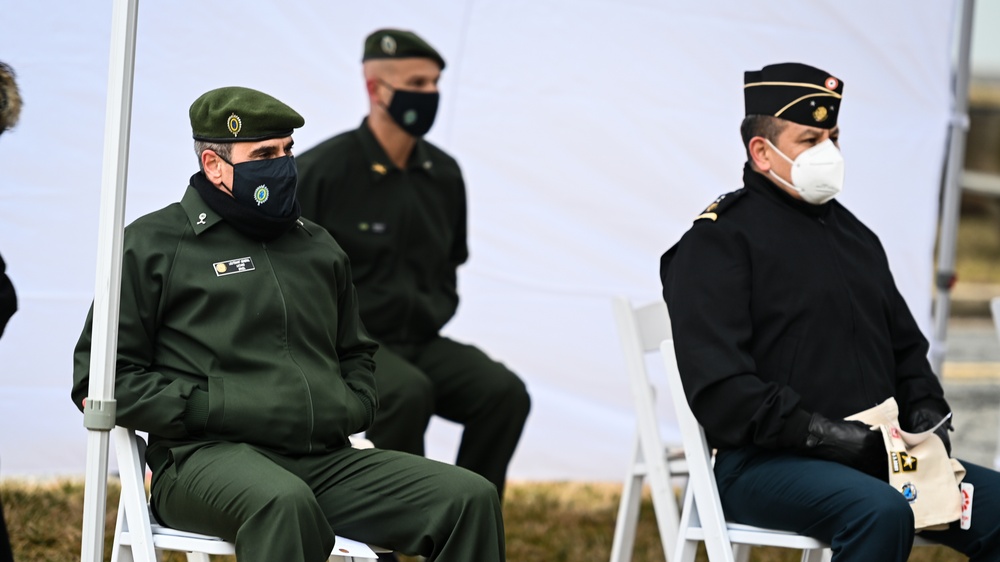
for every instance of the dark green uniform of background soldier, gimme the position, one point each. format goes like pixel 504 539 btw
pixel 396 203
pixel 10 111
pixel 241 352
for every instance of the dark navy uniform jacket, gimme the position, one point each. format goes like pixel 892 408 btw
pixel 780 309
pixel 403 229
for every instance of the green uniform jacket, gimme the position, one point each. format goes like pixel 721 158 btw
pixel 223 338
pixel 405 230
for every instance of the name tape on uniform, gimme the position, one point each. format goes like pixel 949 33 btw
pixel 229 267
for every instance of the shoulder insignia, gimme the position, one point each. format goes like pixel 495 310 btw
pixel 722 203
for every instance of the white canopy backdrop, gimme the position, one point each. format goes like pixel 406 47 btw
pixel 590 134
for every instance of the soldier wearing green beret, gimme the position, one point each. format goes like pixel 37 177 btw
pixel 397 205
pixel 786 320
pixel 241 353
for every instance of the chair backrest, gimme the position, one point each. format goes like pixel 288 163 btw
pixel 707 508
pixel 995 310
pixel 641 329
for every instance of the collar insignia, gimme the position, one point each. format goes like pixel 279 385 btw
pixel 379 168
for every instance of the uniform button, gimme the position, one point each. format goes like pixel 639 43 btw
pixel 427 165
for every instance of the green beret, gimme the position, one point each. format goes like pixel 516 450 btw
pixel 797 92
pixel 235 114
pixel 399 44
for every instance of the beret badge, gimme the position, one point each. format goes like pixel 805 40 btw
pixel 388 45
pixel 234 124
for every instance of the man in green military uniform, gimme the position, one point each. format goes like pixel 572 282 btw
pixel 396 203
pixel 241 353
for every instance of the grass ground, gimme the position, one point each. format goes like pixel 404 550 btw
pixel 551 522
pixel 977 255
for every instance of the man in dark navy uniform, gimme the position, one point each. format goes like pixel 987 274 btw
pixel 396 203
pixel 786 320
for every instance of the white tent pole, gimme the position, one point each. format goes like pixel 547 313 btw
pixel 952 191
pixel 99 411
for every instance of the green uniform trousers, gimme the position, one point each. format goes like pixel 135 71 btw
pixel 287 509
pixel 459 383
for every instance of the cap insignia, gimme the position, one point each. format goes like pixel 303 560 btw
pixel 820 114
pixel 388 45
pixel 261 194
pixel 234 124
pixel 831 83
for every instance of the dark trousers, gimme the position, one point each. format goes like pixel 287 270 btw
pixel 281 508
pixel 861 517
pixel 459 383
pixel 5 552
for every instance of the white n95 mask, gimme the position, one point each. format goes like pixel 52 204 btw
pixel 817 173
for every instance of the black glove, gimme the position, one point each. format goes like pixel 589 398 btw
pixel 848 442
pixel 924 419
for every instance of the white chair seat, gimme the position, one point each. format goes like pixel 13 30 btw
pixel 138 535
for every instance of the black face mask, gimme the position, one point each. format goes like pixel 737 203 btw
pixel 414 112
pixel 267 186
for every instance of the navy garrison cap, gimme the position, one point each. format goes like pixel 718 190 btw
pixel 797 92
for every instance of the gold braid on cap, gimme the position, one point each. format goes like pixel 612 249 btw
pixel 796 84
pixel 10 99
pixel 783 109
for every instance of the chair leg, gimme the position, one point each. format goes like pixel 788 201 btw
pixel 686 549
pixel 121 553
pixel 628 510
pixel 741 552
pixel 197 557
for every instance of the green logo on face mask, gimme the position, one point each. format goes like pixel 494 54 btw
pixel 410 117
pixel 260 194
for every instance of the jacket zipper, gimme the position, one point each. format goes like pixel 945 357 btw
pixel 851 303
pixel 305 380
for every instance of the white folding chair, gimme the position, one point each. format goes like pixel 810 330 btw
pixel 701 517
pixel 138 537
pixel 641 329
